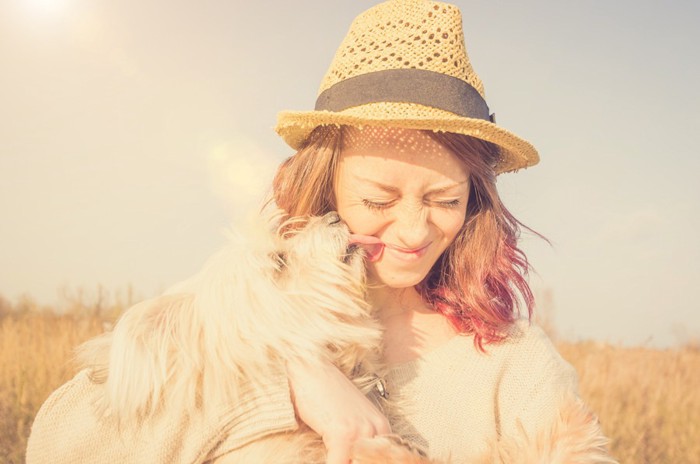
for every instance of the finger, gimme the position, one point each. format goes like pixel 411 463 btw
pixel 383 428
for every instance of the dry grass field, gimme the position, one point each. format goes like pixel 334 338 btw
pixel 648 400
pixel 35 358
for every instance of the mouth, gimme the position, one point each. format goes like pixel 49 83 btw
pixel 406 254
pixel 406 250
pixel 372 246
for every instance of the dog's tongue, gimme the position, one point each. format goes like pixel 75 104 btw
pixel 372 245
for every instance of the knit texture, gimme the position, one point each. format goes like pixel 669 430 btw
pixel 457 403
pixel 68 430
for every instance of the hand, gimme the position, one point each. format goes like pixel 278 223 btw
pixel 330 404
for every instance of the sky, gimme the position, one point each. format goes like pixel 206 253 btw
pixel 134 133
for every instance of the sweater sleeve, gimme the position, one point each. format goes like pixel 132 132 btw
pixel 67 428
pixel 534 378
pixel 542 417
pixel 265 409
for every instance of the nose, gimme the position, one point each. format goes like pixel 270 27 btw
pixel 413 226
pixel 331 218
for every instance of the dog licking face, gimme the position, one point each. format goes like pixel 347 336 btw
pixel 279 291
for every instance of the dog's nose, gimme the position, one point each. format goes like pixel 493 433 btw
pixel 332 218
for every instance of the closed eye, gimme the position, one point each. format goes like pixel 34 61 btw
pixel 376 205
pixel 449 203
pixel 381 206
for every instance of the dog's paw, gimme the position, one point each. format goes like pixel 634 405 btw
pixel 386 449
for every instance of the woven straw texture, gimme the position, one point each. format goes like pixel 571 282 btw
pixel 406 34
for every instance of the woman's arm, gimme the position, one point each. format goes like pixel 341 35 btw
pixel 333 407
pixel 325 400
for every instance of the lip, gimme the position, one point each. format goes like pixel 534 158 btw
pixel 406 253
pixel 374 248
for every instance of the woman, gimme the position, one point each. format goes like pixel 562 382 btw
pixel 401 143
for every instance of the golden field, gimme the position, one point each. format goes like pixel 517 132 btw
pixel 648 400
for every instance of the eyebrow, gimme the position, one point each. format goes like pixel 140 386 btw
pixel 391 189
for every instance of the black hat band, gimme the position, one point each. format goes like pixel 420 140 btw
pixel 428 88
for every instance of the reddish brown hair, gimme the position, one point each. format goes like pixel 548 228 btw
pixel 479 283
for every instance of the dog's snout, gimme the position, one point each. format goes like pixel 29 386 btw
pixel 332 218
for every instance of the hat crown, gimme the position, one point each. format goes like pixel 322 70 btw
pixel 404 34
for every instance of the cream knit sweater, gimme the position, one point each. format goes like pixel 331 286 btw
pixel 456 403
pixel 515 404
pixel 69 430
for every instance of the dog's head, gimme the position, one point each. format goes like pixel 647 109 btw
pixel 323 278
pixel 322 246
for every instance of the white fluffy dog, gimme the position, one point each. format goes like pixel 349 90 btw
pixel 262 300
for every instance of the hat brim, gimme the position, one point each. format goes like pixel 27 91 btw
pixel 515 153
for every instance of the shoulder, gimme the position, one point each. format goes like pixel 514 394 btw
pixel 531 364
pixel 65 421
pixel 526 344
pixel 525 334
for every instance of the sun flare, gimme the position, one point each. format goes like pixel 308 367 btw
pixel 45 6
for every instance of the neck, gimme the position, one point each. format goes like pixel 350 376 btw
pixel 393 303
pixel 411 327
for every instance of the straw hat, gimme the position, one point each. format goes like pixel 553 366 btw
pixel 404 64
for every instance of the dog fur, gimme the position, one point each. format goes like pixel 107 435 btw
pixel 259 302
pixel 574 437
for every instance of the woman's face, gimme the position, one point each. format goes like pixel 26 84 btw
pixel 403 187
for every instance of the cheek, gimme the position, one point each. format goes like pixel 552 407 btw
pixel 456 227
pixel 359 220
pixel 450 223
pixel 356 215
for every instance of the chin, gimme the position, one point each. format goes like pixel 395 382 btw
pixel 396 279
